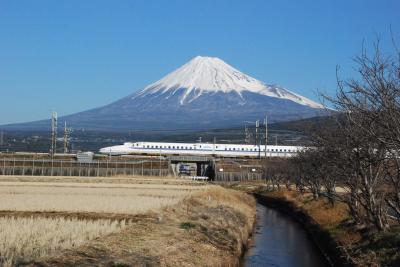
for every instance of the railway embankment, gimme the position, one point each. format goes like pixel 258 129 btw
pixel 207 228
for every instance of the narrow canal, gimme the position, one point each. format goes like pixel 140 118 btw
pixel 279 241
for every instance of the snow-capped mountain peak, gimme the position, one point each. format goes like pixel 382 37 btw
pixel 211 75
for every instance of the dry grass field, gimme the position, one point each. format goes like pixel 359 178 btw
pixel 207 228
pixel 24 239
pixel 26 235
pixel 90 197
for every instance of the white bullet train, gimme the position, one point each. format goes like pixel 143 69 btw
pixel 204 149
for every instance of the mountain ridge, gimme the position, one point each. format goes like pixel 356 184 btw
pixel 203 93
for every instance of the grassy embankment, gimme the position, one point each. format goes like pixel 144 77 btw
pixel 134 222
pixel 364 248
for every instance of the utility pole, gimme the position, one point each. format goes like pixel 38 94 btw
pixel 266 134
pixel 67 132
pixel 247 133
pixel 215 141
pixel 257 137
pixel 1 139
pixel 159 166
pixel 53 133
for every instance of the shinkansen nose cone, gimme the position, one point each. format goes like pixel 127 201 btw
pixel 105 150
pixel 114 150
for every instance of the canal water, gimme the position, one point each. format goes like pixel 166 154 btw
pixel 279 241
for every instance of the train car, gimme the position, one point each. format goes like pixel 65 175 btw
pixel 221 150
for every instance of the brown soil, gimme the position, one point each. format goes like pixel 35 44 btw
pixel 113 180
pixel 79 215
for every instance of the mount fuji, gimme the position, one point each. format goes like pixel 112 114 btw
pixel 204 93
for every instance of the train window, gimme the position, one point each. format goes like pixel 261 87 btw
pixel 284 150
pixel 169 146
pixel 280 150
pixel 173 147
pixel 226 148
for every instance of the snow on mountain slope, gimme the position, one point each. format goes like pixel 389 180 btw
pixel 210 75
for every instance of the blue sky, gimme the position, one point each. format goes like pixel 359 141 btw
pixel 70 56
